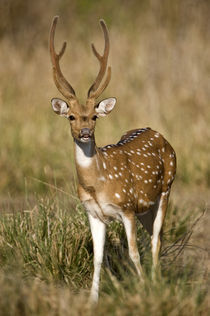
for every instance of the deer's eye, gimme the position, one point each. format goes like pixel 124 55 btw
pixel 94 117
pixel 72 118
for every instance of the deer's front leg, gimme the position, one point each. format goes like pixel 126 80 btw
pixel 98 230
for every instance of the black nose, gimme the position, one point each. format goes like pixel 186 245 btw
pixel 85 131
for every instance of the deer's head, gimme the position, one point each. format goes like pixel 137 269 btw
pixel 82 118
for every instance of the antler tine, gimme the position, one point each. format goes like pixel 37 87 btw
pixel 95 90
pixel 61 83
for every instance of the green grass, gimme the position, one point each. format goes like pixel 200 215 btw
pixel 46 256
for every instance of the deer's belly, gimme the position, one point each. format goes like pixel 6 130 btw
pixel 103 210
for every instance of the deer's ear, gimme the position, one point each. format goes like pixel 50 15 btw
pixel 105 106
pixel 60 107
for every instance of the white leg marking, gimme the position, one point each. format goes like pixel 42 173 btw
pixel 130 229
pixel 157 225
pixel 98 230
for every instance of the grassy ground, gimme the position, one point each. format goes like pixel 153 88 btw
pixel 46 265
pixel 160 57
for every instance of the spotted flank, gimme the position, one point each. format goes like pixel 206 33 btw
pixel 142 165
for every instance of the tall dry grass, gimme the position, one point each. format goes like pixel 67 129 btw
pixel 46 265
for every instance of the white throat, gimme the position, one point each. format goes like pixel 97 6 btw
pixel 84 153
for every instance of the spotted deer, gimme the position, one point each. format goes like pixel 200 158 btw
pixel 130 179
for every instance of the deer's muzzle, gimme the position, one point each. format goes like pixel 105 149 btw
pixel 85 134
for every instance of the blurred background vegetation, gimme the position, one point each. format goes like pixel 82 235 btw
pixel 160 56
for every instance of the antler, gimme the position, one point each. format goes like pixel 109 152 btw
pixel 61 83
pixel 95 89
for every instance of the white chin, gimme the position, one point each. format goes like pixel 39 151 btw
pixel 85 139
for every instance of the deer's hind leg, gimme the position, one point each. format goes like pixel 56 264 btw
pixel 157 227
pixel 130 229
pixel 153 221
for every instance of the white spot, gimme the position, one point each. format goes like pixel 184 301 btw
pixel 145 181
pixel 165 193
pixel 117 195
pixel 110 176
pixel 151 203
pixel 116 175
pixel 171 163
pixel 131 190
pixel 124 190
pixel 115 168
pixel 104 165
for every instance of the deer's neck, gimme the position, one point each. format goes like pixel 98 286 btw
pixel 85 153
pixel 88 162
